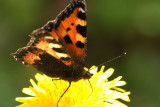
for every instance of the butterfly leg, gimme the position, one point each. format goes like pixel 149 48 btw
pixel 55 79
pixel 90 84
pixel 63 93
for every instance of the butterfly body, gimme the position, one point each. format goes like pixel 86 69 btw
pixel 58 49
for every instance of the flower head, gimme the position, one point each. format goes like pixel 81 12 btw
pixel 104 93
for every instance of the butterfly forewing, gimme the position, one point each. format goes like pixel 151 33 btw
pixel 71 27
pixel 58 49
pixel 43 40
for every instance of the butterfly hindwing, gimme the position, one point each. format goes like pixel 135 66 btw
pixel 28 55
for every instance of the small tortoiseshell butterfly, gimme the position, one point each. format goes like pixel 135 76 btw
pixel 58 49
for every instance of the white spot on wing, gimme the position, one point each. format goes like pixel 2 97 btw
pixel 80 9
pixel 51 45
pixel 48 37
pixel 62 55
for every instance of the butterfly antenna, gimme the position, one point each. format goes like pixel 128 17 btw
pixel 110 60
pixel 64 93
pixel 113 59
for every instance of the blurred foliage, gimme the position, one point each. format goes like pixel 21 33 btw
pixel 114 27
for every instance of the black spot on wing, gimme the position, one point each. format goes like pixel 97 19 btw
pixel 81 15
pixel 65 58
pixel 79 44
pixel 81 30
pixel 72 24
pixel 68 11
pixel 68 29
pixel 67 39
pixel 59 50
pixel 54 41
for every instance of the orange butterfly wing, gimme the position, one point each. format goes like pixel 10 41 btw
pixel 70 27
pixel 58 49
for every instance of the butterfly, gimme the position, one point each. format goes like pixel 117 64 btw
pixel 59 48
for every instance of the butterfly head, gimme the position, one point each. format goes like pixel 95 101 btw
pixel 87 74
pixel 76 74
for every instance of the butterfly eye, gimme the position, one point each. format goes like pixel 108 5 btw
pixel 49 27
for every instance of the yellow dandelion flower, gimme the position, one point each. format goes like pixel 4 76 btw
pixel 104 93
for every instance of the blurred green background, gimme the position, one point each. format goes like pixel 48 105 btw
pixel 114 27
